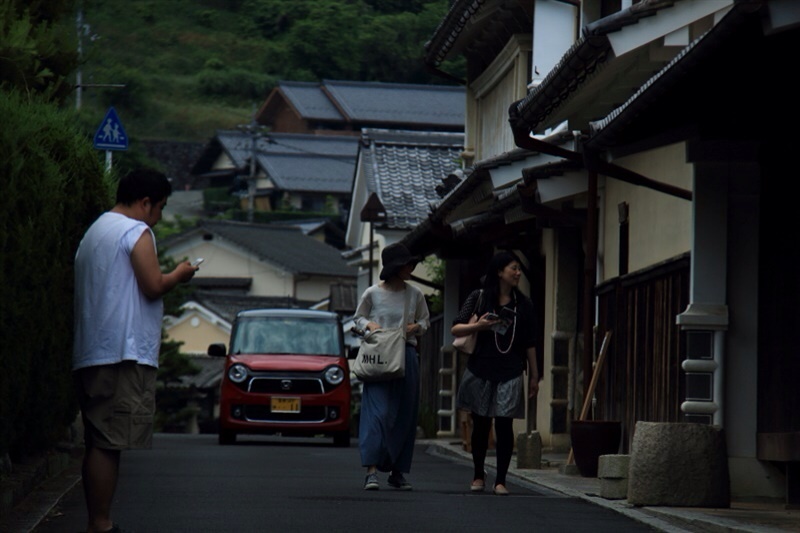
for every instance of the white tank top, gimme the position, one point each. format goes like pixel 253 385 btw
pixel 114 320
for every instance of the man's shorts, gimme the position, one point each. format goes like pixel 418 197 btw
pixel 118 403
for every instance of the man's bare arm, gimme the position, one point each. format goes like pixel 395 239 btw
pixel 152 281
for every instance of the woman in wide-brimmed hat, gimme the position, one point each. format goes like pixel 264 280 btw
pixel 388 423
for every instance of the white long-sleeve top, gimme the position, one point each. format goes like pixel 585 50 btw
pixel 385 307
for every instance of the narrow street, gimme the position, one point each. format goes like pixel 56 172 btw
pixel 190 483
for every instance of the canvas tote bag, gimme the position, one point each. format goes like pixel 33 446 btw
pixel 382 354
pixel 466 344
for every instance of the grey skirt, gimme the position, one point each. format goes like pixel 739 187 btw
pixel 490 398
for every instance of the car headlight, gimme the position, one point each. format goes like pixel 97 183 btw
pixel 237 373
pixel 334 375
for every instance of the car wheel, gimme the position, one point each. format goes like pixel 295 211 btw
pixel 226 437
pixel 341 439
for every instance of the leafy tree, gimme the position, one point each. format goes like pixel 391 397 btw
pixel 37 49
pixel 435 268
pixel 171 398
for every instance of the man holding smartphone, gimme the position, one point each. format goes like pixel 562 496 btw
pixel 118 314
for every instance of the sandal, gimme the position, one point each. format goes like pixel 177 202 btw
pixel 501 490
pixel 477 485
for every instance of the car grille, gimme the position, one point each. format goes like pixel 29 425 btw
pixel 261 413
pixel 286 385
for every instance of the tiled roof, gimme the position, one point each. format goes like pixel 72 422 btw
pixel 400 105
pixel 309 100
pixel 238 145
pixel 287 247
pixel 404 167
pixel 297 162
pixel 310 173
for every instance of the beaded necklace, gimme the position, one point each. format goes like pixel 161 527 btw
pixel 513 331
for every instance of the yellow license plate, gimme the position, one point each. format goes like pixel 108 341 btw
pixel 285 405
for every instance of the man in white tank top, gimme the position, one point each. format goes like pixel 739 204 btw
pixel 118 314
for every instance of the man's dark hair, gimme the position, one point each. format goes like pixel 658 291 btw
pixel 143 183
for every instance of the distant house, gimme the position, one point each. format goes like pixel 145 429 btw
pixel 348 106
pixel 253 266
pixel 293 171
pixel 261 260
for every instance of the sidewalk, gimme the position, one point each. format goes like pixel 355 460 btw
pixel 741 517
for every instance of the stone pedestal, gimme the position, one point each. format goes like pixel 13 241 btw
pixel 612 471
pixel 529 450
pixel 679 464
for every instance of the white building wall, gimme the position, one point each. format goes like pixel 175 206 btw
pixel 225 261
pixel 554 31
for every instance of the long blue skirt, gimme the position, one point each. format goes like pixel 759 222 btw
pixel 388 424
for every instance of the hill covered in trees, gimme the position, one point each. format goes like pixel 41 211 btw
pixel 190 67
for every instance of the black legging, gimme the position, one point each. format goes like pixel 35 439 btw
pixel 504 435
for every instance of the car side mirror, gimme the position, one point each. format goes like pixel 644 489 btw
pixel 352 352
pixel 217 350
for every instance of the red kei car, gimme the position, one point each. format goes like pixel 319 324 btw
pixel 286 374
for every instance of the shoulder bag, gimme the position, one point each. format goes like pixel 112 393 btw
pixel 382 354
pixel 466 344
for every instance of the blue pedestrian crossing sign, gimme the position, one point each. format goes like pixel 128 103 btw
pixel 111 135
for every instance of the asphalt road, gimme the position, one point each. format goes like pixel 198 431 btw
pixel 190 483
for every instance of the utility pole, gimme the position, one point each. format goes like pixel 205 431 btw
pixel 83 29
pixel 254 130
pixel 372 212
pixel 78 73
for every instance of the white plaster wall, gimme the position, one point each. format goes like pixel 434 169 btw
pixel 553 33
pixel 660 224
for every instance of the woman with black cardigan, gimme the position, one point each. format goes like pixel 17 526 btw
pixel 492 386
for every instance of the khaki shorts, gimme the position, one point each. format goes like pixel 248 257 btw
pixel 118 403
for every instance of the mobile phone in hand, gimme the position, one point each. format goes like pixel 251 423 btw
pixel 197 261
pixel 491 316
pixel 508 314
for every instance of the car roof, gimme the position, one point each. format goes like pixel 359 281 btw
pixel 293 313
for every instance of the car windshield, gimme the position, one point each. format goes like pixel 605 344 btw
pixel 286 335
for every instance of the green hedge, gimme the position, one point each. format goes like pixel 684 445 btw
pixel 52 187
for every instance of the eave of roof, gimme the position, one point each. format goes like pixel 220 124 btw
pixel 479 175
pixel 579 66
pixel 603 132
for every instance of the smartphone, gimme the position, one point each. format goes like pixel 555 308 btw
pixel 507 314
pixel 197 261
